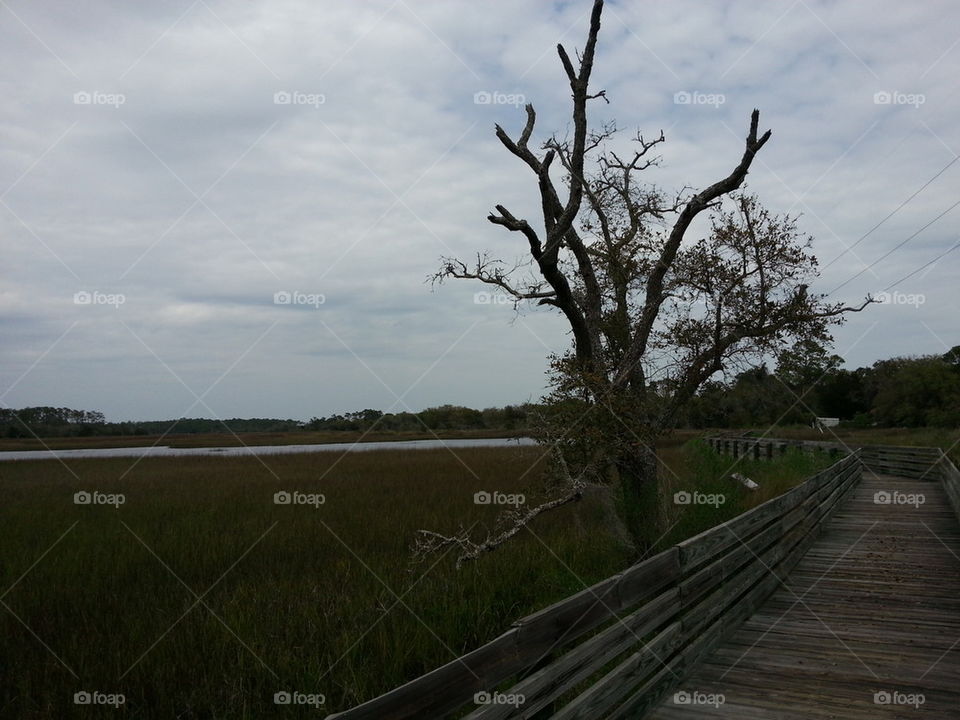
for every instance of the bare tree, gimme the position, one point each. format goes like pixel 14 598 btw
pixel 653 315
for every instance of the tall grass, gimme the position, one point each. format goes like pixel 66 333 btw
pixel 319 600
pixel 201 598
pixel 699 472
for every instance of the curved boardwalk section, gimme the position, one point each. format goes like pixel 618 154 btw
pixel 867 625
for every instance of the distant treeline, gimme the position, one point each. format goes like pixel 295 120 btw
pixel 444 417
pixel 65 422
pixel 900 392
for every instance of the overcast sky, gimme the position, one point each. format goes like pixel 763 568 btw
pixel 167 168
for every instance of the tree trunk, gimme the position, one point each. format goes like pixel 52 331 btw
pixel 638 476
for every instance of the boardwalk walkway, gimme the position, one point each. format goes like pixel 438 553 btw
pixel 867 625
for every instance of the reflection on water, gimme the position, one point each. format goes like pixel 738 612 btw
pixel 164 451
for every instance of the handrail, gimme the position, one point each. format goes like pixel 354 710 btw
pixel 905 460
pixel 950 480
pixel 653 620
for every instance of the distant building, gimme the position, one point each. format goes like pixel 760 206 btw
pixel 821 423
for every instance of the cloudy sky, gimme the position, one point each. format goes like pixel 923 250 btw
pixel 167 168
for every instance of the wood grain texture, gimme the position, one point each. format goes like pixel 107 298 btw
pixel 873 606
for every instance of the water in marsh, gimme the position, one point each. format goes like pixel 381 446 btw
pixel 165 451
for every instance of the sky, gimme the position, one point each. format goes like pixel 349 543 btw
pixel 214 209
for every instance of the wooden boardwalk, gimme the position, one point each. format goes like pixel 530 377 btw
pixel 839 598
pixel 867 625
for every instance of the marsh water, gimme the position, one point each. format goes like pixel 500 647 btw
pixel 243 450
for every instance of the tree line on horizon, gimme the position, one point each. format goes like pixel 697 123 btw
pixel 48 421
pixel 922 391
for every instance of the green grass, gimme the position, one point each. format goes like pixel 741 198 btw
pixel 695 467
pixel 309 595
pixel 317 600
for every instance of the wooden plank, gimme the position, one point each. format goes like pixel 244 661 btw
pixel 906 462
pixel 642 581
pixel 800 534
pixel 543 686
pixel 901 448
pixel 652 692
pixel 879 610
pixel 451 686
pixel 701 615
pixel 603 695
pixel 950 482
pixel 741 605
pixel 702 548
pixel 895 454
pixel 447 688
pixel 568 619
pixel 706 579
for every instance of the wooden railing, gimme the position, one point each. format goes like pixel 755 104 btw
pixel 904 460
pixel 770 448
pixel 950 479
pixel 909 461
pixel 924 463
pixel 614 649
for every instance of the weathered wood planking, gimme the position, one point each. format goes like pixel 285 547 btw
pixel 950 479
pixel 872 605
pixel 644 665
pixel 903 461
pixel 739 580
pixel 542 686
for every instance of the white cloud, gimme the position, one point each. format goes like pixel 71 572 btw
pixel 356 197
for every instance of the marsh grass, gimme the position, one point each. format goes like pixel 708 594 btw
pixel 201 598
pixel 320 600
pixel 696 468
